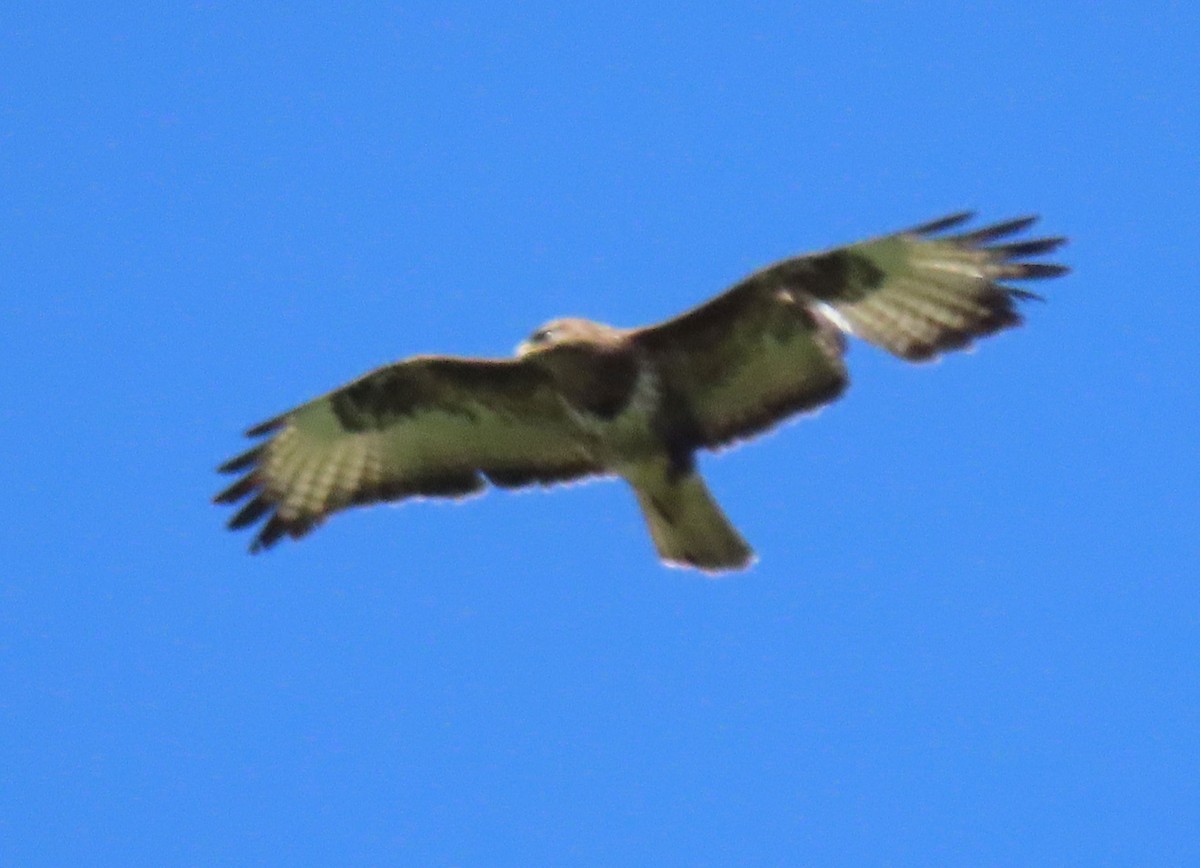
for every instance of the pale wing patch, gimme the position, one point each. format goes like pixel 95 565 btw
pixel 834 315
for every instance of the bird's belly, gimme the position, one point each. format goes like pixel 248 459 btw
pixel 627 437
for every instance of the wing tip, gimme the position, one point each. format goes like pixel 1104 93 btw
pixel 941 224
pixel 1021 294
pixel 237 491
pixel 275 527
pixel 1042 270
pixel 240 462
pixel 996 230
pixel 262 429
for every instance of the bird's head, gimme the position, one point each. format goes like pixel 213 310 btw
pixel 568 332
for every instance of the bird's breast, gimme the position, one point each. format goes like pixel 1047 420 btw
pixel 629 431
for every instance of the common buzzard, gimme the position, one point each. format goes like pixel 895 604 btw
pixel 584 399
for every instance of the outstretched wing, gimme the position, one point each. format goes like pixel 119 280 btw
pixel 921 292
pixel 431 426
pixel 771 345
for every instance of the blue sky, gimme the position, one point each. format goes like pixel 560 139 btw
pixel 972 635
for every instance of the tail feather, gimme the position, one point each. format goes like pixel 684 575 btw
pixel 687 525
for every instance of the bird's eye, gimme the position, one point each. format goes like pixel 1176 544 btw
pixel 541 336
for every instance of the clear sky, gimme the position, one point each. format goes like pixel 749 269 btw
pixel 973 633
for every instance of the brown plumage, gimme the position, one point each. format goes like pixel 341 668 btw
pixel 583 399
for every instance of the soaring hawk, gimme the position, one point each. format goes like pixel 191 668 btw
pixel 583 399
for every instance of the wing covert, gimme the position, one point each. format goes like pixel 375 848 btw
pixel 744 361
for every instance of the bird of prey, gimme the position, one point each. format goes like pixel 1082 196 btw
pixel 582 399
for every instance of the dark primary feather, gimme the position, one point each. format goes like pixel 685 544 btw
pixel 941 224
pixel 990 233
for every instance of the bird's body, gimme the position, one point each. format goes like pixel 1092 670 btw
pixel 583 399
pixel 640 433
